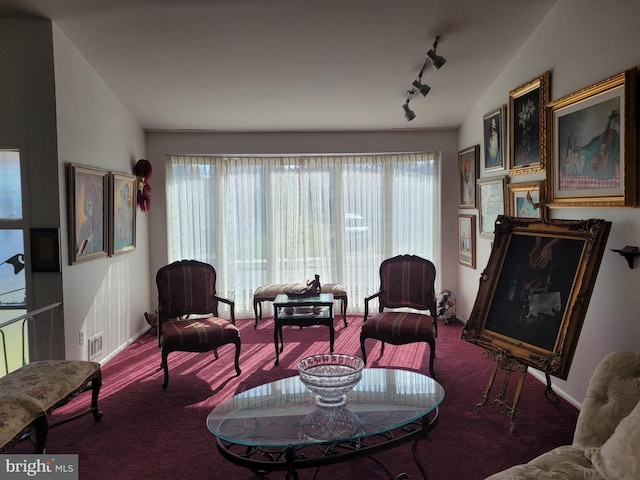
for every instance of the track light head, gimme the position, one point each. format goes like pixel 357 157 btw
pixel 436 60
pixel 422 88
pixel 408 113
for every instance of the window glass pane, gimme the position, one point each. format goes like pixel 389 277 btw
pixel 12 278
pixel 10 186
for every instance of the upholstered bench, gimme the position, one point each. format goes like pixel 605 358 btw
pixel 268 293
pixel 29 394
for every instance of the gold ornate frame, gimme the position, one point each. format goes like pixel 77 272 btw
pixel 528 126
pixel 527 200
pixel 497 117
pixel 592 145
pixel 531 307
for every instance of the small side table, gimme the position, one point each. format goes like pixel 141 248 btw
pixel 301 311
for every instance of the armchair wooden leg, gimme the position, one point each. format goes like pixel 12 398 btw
pixel 165 367
pixel 237 358
pixel 364 352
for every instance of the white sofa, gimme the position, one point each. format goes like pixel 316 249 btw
pixel 606 441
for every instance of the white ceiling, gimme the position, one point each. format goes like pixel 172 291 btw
pixel 292 65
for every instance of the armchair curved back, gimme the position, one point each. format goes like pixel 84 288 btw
pixel 186 287
pixel 408 281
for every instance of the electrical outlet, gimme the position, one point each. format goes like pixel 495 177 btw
pixel 81 337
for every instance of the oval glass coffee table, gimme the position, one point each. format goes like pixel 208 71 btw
pixel 279 427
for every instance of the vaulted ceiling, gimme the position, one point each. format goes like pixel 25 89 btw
pixel 292 65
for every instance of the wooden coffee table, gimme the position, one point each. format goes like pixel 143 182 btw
pixel 301 311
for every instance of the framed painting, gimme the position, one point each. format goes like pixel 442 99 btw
pixel 88 210
pixel 593 145
pixel 493 128
pixel 527 200
pixel 492 203
pixel 468 167
pixel 528 126
pixel 535 291
pixel 45 250
pixel 467 240
pixel 122 213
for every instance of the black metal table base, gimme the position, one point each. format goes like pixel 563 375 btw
pixel 290 459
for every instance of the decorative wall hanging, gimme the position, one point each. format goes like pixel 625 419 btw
pixel 492 201
pixel 535 290
pixel 88 210
pixel 45 250
pixel 592 145
pixel 143 171
pixel 528 126
pixel 467 240
pixel 122 209
pixel 527 200
pixel 495 140
pixel 468 166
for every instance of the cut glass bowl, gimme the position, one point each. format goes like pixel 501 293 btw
pixel 330 376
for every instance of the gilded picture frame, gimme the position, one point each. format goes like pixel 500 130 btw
pixel 528 126
pixel 492 202
pixel 122 213
pixel 592 147
pixel 468 170
pixel 527 199
pixel 88 211
pixel 467 240
pixel 534 293
pixel 495 140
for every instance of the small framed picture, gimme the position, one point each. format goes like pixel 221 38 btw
pixel 467 240
pixel 88 210
pixel 122 213
pixel 528 126
pixel 493 126
pixel 45 250
pixel 468 167
pixel 527 200
pixel 492 203
pixel 592 145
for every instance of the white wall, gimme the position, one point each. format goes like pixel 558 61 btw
pixel 160 144
pixel 107 295
pixel 581 42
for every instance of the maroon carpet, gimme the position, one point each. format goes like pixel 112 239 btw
pixel 148 432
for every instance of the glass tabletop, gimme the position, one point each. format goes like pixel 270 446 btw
pixel 284 412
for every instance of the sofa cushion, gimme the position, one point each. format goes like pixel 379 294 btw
pixel 619 457
pixel 561 463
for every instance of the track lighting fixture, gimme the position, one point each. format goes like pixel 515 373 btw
pixel 436 60
pixel 417 86
pixel 408 113
pixel 421 88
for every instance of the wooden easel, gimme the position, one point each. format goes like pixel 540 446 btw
pixel 509 364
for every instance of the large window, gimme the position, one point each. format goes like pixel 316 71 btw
pixel 262 220
pixel 12 274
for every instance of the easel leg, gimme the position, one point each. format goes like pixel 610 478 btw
pixel 486 394
pixel 549 393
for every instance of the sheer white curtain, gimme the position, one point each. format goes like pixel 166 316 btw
pixel 268 219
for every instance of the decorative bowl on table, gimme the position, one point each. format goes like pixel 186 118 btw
pixel 330 376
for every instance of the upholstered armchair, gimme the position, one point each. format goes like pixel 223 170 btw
pixel 188 313
pixel 606 441
pixel 406 306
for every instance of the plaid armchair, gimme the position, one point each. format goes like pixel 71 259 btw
pixel 188 313
pixel 406 281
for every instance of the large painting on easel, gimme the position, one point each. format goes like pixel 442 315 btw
pixel 535 290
